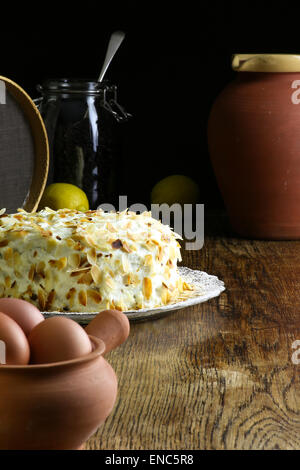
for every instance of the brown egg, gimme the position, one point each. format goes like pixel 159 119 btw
pixel 112 326
pixel 14 346
pixel 58 339
pixel 24 313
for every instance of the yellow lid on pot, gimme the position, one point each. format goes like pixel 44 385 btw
pixel 266 62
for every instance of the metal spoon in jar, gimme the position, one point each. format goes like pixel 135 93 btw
pixel 114 43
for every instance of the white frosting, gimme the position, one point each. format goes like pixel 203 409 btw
pixel 69 260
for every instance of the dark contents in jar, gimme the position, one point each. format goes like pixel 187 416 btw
pixel 86 153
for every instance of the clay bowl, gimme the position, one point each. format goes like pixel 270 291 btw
pixel 58 405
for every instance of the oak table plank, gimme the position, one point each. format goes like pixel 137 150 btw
pixel 218 375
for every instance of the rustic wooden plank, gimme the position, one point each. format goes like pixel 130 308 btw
pixel 218 375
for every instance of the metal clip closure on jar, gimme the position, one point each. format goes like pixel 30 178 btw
pixel 112 105
pixel 80 118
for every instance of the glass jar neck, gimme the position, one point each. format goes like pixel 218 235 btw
pixel 74 86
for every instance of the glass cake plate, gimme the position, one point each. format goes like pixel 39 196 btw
pixel 205 286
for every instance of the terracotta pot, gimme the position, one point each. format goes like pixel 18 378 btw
pixel 254 144
pixel 112 326
pixel 56 406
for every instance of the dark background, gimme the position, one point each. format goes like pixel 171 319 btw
pixel 171 66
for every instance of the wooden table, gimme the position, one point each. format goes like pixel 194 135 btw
pixel 218 375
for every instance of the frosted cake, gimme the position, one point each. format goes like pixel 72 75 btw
pixel 74 261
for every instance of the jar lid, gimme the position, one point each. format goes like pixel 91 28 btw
pixel 266 62
pixel 24 149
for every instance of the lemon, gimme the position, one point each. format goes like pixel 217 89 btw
pixel 64 196
pixel 175 189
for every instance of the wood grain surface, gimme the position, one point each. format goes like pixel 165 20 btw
pixel 218 375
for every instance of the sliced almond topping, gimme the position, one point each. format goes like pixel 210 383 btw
pixel 78 272
pixel 85 279
pixel 90 241
pixel 95 296
pixel 92 256
pixel 7 281
pixel 18 216
pixel 31 272
pixel 147 287
pixel 168 296
pixel 187 286
pixel 17 258
pixel 120 307
pixel 79 246
pixel 164 296
pixel 109 282
pixel 150 246
pixel 127 279
pixel 8 256
pixel 110 227
pixel 82 297
pixel 19 233
pixel 40 268
pixel 180 285
pixel 167 273
pixel 51 244
pixel 126 247
pixel 46 233
pixel 29 290
pixel 60 263
pixel 74 260
pixel 71 293
pixel 50 298
pixel 41 299
pixel 77 237
pixel 83 261
pixel 96 274
pixel 148 261
pixel 128 225
pixel 160 253
pixel 125 263
pixel 3 243
pixel 135 279
pixel 132 236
